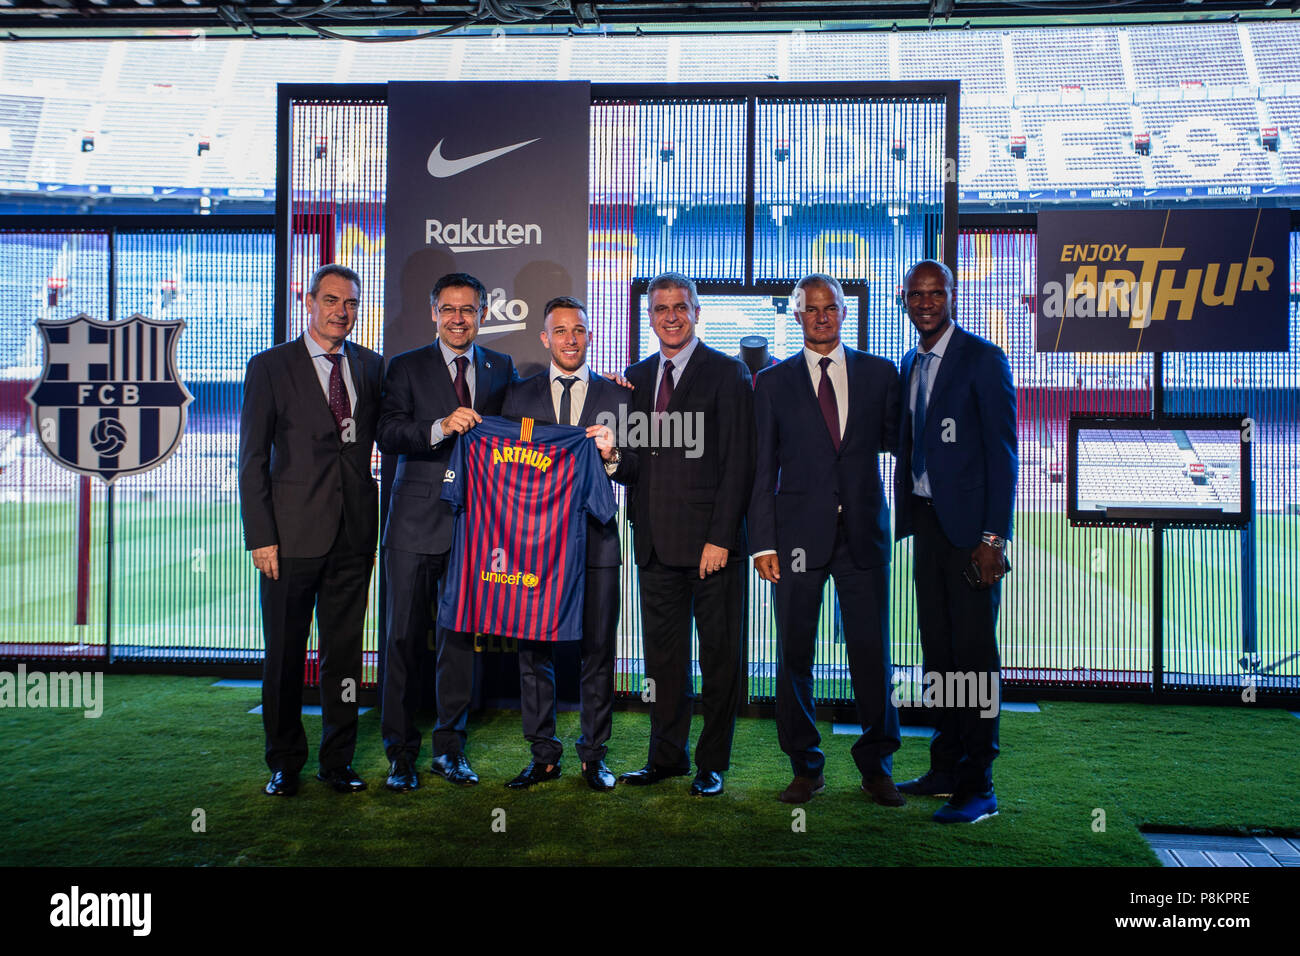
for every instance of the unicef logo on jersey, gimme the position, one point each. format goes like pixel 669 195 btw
pixel 110 401
pixel 526 578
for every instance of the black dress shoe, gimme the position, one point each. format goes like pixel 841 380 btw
pixel 535 772
pixel 706 784
pixel 598 776
pixel 342 779
pixel 402 776
pixel 454 768
pixel 649 774
pixel 283 783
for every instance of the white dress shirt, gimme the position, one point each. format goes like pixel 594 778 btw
pixel 839 374
pixel 577 391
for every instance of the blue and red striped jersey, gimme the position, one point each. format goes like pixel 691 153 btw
pixel 521 493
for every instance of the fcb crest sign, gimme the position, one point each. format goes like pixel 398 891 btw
pixel 110 401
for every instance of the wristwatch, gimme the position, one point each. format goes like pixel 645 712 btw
pixel 618 457
pixel 997 542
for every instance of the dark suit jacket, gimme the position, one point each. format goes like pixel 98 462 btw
pixel 801 481
pixel 679 503
pixel 972 477
pixel 297 477
pixel 417 393
pixel 531 398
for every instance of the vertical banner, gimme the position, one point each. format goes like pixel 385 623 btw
pixel 489 179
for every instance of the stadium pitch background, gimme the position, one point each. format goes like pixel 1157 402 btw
pixel 1094 623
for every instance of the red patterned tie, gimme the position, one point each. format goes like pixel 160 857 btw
pixel 826 399
pixel 461 385
pixel 665 388
pixel 339 404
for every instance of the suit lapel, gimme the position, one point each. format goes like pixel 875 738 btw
pixel 947 369
pixel 302 368
pixel 905 377
pixel 594 387
pixel 850 376
pixel 689 374
pixel 360 381
pixel 642 376
pixel 806 395
pixel 543 407
pixel 484 374
pixel 440 375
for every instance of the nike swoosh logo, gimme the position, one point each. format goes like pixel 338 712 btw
pixel 441 168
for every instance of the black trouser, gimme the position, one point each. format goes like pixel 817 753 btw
pixel 864 605
pixel 537 677
pixel 411 614
pixel 958 636
pixel 669 595
pixel 335 585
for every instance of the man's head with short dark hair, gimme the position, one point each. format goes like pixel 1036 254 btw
pixel 674 280
pixel 332 269
pixel 459 280
pixel 565 333
pixel 563 302
pixel 674 311
pixel 458 301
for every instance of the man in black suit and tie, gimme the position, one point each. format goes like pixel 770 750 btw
pixel 310 509
pixel 431 395
pixel 688 494
pixel 569 393
pixel 955 487
pixel 824 415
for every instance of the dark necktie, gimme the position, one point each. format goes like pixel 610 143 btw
pixel 826 399
pixel 918 416
pixel 665 388
pixel 339 404
pixel 566 400
pixel 461 384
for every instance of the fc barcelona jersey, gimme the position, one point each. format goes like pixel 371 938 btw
pixel 522 494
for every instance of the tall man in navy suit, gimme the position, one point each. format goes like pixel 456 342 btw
pixel 824 416
pixel 955 486
pixel 688 494
pixel 431 395
pixel 310 509
pixel 569 393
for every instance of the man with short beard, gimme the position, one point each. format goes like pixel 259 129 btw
pixel 569 393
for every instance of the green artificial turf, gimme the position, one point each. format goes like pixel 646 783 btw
pixel 124 788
